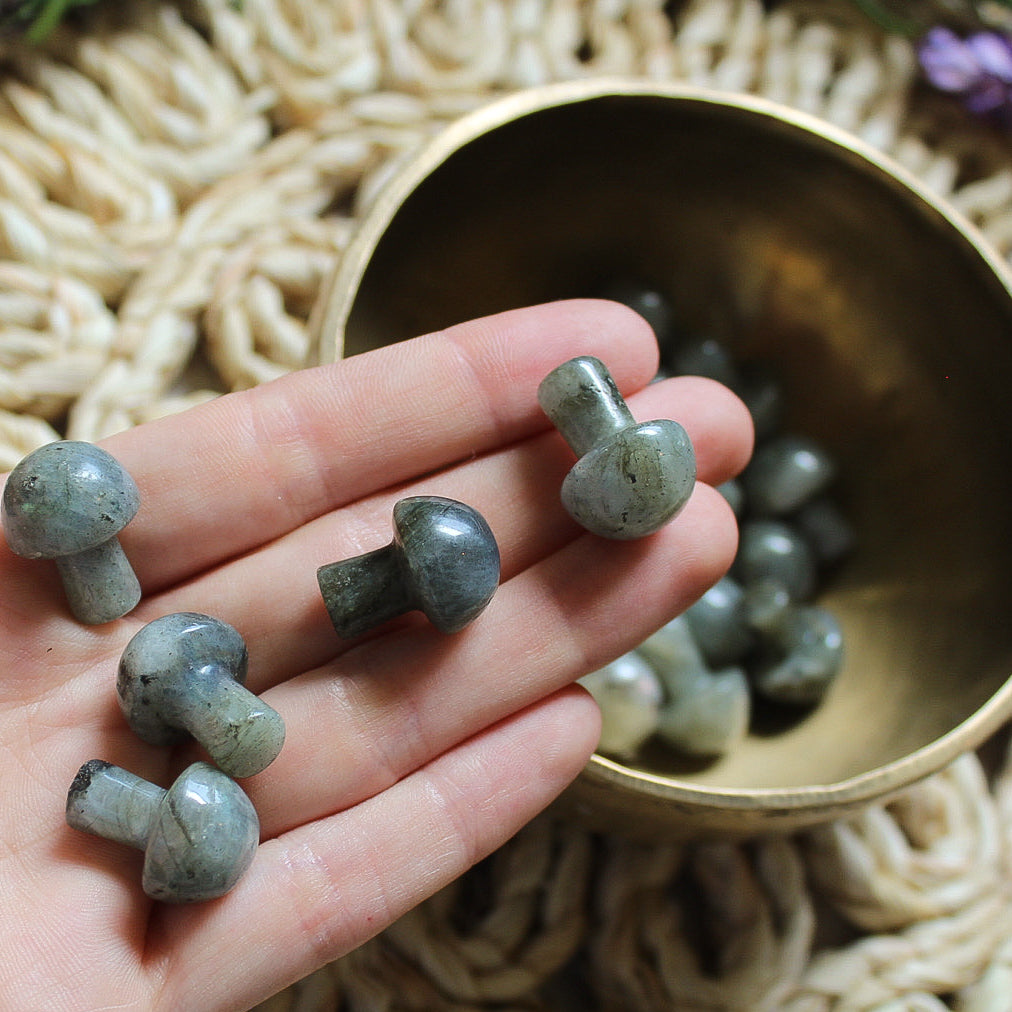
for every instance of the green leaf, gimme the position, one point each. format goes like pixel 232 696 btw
pixel 42 16
pixel 888 19
pixel 50 17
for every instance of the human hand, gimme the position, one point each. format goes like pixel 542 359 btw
pixel 409 755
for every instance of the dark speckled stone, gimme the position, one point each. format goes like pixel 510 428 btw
pixel 68 501
pixel 198 837
pixel 806 653
pixel 443 561
pixel 786 473
pixel 773 550
pixel 184 673
pixel 631 478
pixel 719 623
pixel 648 303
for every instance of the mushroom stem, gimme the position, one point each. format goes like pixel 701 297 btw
pixel 111 802
pixel 365 591
pixel 584 404
pixel 629 479
pixel 198 837
pixel 242 734
pixel 100 583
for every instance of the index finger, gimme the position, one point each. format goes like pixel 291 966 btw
pixel 247 468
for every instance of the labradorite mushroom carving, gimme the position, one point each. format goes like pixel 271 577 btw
pixel 804 654
pixel 706 713
pixel 198 837
pixel 631 479
pixel 68 501
pixel 785 473
pixel 776 551
pixel 184 673
pixel 443 561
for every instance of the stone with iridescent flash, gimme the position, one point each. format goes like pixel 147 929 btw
pixel 631 478
pixel 183 674
pixel 198 837
pixel 68 501
pixel 629 694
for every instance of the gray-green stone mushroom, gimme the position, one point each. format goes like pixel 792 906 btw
pixel 184 673
pixel 198 837
pixel 631 478
pixel 68 501
pixel 775 550
pixel 443 561
pixel 785 473
pixel 804 655
pixel 719 623
pixel 706 712
pixel 630 696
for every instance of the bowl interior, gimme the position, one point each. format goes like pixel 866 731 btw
pixel 885 320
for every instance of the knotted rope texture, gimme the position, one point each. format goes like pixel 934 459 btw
pixel 173 191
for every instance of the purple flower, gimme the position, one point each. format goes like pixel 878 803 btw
pixel 978 69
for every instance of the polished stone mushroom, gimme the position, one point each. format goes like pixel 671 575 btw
pixel 631 478
pixel 719 623
pixel 776 550
pixel 630 695
pixel 198 837
pixel 710 716
pixel 785 473
pixel 804 655
pixel 443 561
pixel 68 501
pixel 705 713
pixel 183 674
pixel 647 302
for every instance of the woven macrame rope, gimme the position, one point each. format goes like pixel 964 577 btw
pixel 935 868
pixel 934 852
pixel 128 149
pixel 176 181
pixel 531 918
pixel 710 926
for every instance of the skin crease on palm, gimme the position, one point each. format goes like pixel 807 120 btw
pixel 409 754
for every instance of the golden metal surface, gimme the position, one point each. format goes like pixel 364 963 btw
pixel 889 321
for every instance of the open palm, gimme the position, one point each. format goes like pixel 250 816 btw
pixel 409 754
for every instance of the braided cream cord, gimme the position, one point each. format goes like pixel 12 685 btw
pixel 124 153
pixel 172 192
pixel 491 939
pixel 710 926
pixel 715 926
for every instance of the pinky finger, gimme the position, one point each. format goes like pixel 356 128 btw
pixel 320 890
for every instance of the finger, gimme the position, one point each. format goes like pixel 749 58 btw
pixel 326 887
pixel 272 595
pixel 389 705
pixel 237 472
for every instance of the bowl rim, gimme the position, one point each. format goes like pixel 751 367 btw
pixel 797 799
pixel 341 287
pixel 341 290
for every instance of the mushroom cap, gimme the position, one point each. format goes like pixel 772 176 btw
pixel 804 654
pixel 450 557
pixel 785 473
pixel 202 839
pixel 710 716
pixel 66 497
pixel 160 664
pixel 633 484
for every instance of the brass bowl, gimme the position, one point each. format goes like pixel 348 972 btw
pixel 888 320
